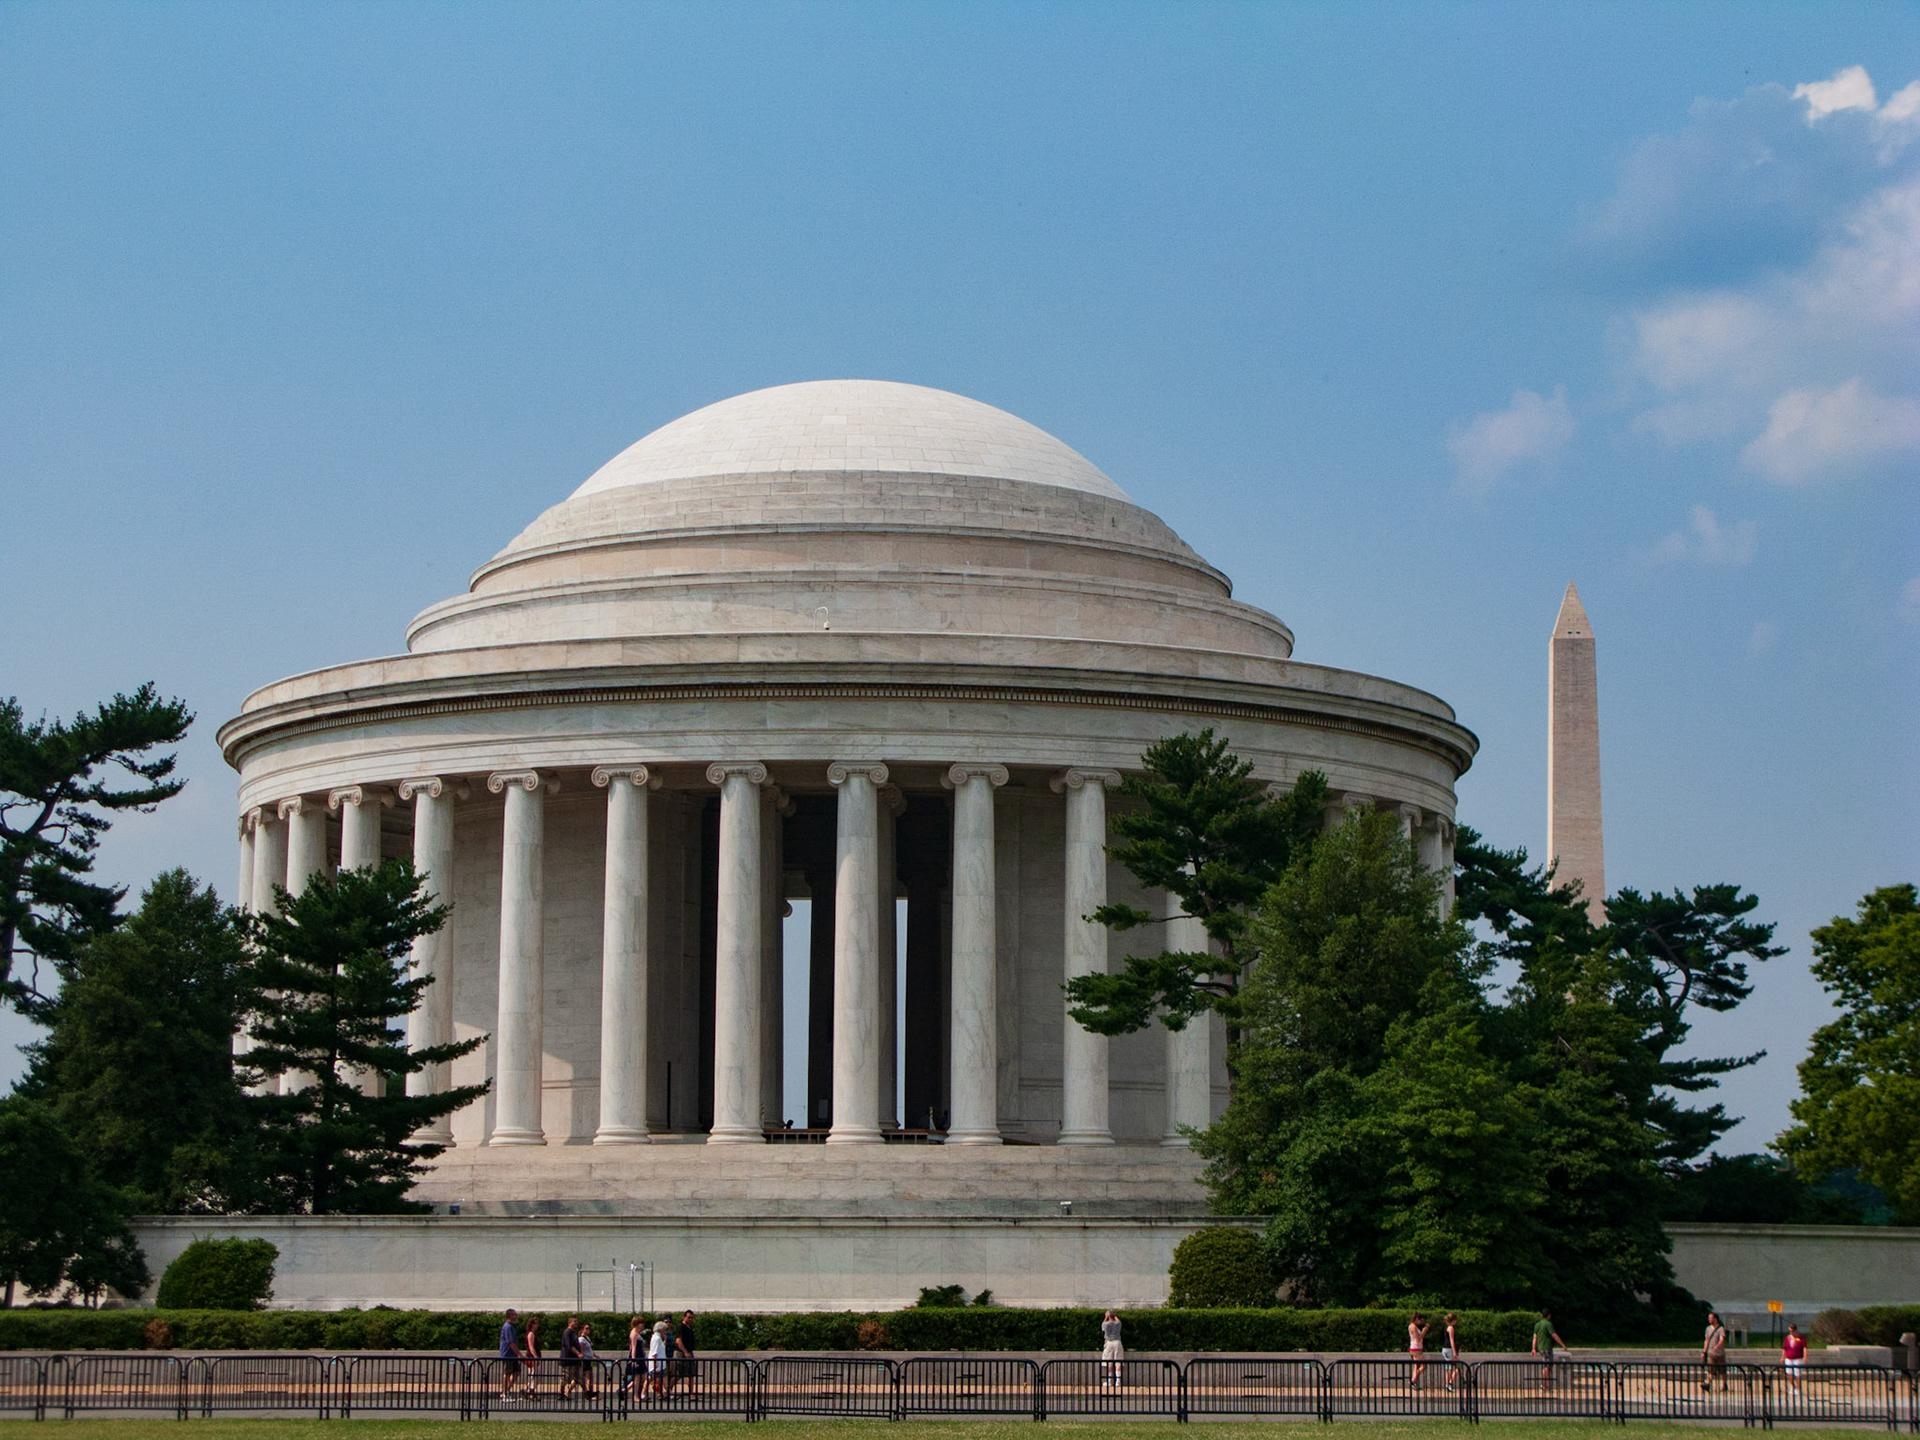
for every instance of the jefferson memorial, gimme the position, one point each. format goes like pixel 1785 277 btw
pixel 857 653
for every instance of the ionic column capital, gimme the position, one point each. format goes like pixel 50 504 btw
pixel 958 775
pixel 432 786
pixel 781 801
pixel 250 820
pixel 358 795
pixel 294 805
pixel 1076 778
pixel 754 772
pixel 527 780
pixel 1353 802
pixel 639 776
pixel 1446 829
pixel 895 801
pixel 840 771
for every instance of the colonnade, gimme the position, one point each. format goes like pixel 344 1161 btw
pixel 285 844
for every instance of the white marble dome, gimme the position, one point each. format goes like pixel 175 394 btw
pixel 880 426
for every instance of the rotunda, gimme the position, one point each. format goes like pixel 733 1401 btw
pixel 872 647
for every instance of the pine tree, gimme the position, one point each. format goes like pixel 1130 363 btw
pixel 332 987
pixel 55 804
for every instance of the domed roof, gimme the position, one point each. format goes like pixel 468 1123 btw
pixel 851 425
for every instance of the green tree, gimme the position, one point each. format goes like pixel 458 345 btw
pixel 1369 1123
pixel 1860 1082
pixel 1214 838
pixel 329 974
pixel 137 1064
pixel 59 1224
pixel 58 794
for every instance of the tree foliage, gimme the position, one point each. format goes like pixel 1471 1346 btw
pixel 1222 1267
pixel 331 988
pixel 230 1274
pixel 1860 1082
pixel 1203 830
pixel 137 1064
pixel 61 784
pixel 59 1224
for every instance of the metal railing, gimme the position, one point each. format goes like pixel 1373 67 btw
pixel 849 1386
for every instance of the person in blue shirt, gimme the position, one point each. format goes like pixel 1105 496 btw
pixel 509 1354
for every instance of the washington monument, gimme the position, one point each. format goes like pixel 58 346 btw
pixel 1575 844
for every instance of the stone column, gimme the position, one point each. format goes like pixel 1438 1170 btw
pixel 1189 1062
pixel 269 859
pixel 623 957
pixel 737 957
pixel 243 890
pixel 359 808
pixel 1354 803
pixel 774 806
pixel 892 803
pixel 1083 1080
pixel 431 1023
pixel 856 954
pixel 306 841
pixel 518 1043
pixel 973 1083
pixel 1446 830
pixel 1409 816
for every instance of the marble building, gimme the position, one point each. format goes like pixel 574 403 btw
pixel 872 647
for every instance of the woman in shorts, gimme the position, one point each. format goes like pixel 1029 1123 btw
pixel 1417 1348
pixel 1793 1355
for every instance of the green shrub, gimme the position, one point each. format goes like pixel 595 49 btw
pixel 1220 1267
pixel 1840 1327
pixel 941 1297
pixel 1885 1324
pixel 231 1274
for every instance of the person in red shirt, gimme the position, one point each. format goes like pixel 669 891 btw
pixel 1793 1355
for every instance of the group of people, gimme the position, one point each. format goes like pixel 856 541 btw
pixel 660 1358
pixel 1417 1329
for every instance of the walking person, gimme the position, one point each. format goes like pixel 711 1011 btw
pixel 636 1355
pixel 1545 1338
pixel 509 1354
pixel 658 1344
pixel 1713 1352
pixel 583 1353
pixel 1450 1350
pixel 686 1360
pixel 1417 1348
pixel 1113 1354
pixel 1793 1355
pixel 530 1352
pixel 570 1357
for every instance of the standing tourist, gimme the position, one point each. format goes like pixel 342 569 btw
pixel 509 1354
pixel 1113 1354
pixel 1450 1349
pixel 686 1360
pixel 1545 1338
pixel 1417 1348
pixel 1713 1352
pixel 1793 1354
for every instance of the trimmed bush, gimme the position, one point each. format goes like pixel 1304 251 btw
pixel 1220 1268
pixel 1840 1327
pixel 1885 1324
pixel 231 1274
pixel 970 1328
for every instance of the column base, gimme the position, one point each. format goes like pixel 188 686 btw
pixel 621 1135
pixel 974 1137
pixel 1176 1142
pixel 735 1135
pixel 1085 1137
pixel 442 1138
pixel 850 1135
pixel 517 1137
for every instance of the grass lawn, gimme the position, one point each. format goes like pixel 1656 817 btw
pixel 288 1429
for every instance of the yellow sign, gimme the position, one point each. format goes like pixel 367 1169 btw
pixel 1775 1306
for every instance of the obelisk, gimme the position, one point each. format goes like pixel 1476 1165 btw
pixel 1575 843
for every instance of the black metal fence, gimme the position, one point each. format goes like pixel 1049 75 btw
pixel 845 1386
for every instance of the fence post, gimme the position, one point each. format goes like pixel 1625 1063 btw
pixel 1324 1378
pixel 1180 1404
pixel 1470 1392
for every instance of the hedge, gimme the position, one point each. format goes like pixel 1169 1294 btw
pixel 972 1328
pixel 1885 1324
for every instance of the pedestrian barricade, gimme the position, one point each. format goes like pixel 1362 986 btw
pixel 23 1386
pixel 968 1385
pixel 1671 1390
pixel 1111 1387
pixel 1404 1388
pixel 122 1384
pixel 1542 1389
pixel 827 1386
pixel 1836 1395
pixel 1261 1385
pixel 402 1385
pixel 271 1383
pixel 542 1387
pixel 694 1387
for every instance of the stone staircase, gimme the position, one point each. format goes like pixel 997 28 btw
pixel 686 1179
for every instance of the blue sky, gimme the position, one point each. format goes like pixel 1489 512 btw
pixel 1402 315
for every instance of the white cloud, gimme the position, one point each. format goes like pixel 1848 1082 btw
pixel 1811 433
pixel 1762 637
pixel 1706 541
pixel 1849 89
pixel 1530 432
pixel 1910 601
